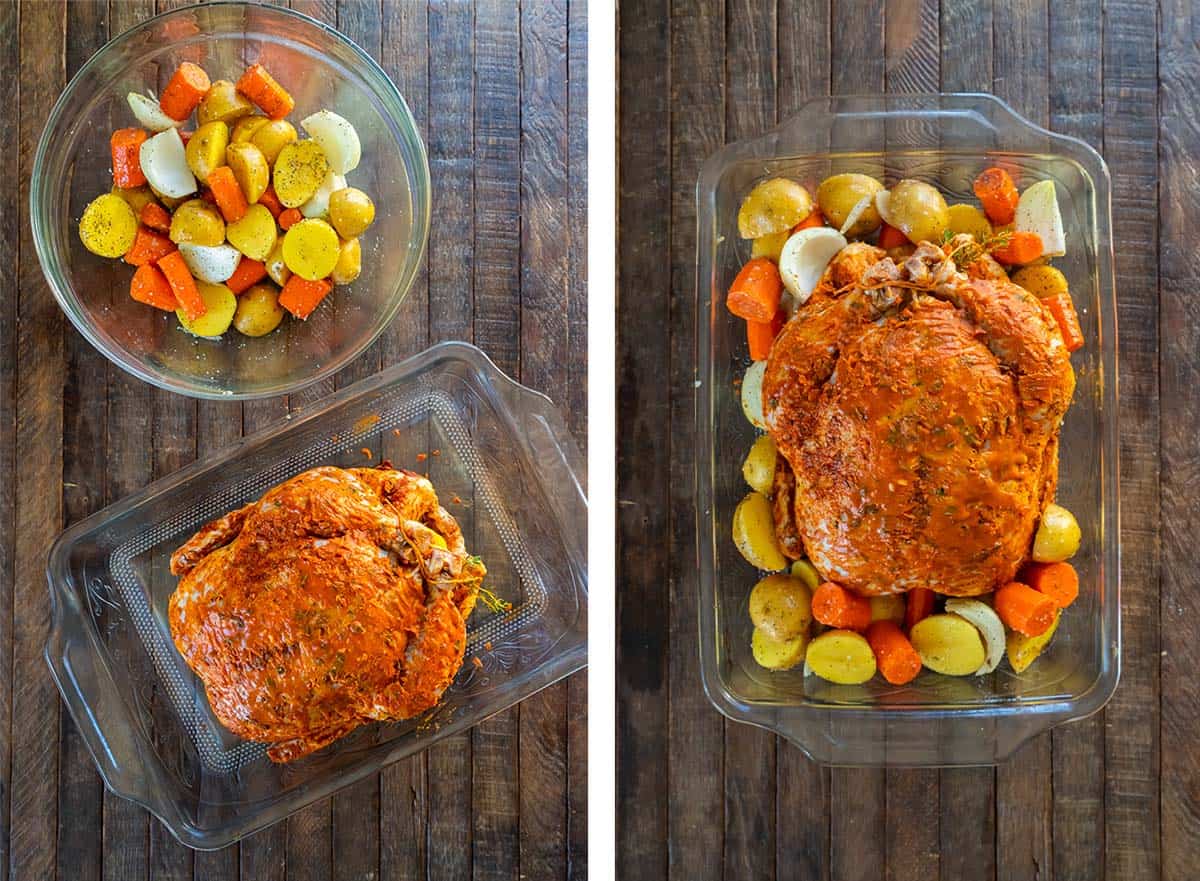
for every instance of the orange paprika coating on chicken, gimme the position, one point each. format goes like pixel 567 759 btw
pixel 340 597
pixel 919 408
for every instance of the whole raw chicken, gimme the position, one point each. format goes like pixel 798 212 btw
pixel 917 411
pixel 340 597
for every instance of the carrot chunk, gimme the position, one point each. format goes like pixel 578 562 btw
pixel 156 217
pixel 300 296
pixel 271 201
pixel 895 656
pixel 998 194
pixel 836 606
pixel 126 146
pixel 1022 247
pixel 230 198
pixel 1063 309
pixel 918 604
pixel 183 285
pixel 815 218
pixel 289 218
pixel 184 91
pixel 261 88
pixel 761 334
pixel 1059 581
pixel 150 286
pixel 890 237
pixel 1025 610
pixel 248 272
pixel 754 294
pixel 148 246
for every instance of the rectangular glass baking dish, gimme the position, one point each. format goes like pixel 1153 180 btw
pixel 502 462
pixel 935 720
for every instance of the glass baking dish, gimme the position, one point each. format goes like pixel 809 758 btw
pixel 935 720
pixel 502 462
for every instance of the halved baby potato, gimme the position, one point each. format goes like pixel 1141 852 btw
pixel 781 606
pixel 773 206
pixel 841 656
pixel 754 533
pixel 223 103
pixel 206 149
pixel 258 311
pixel 221 305
pixel 250 169
pixel 1058 536
pixel 299 172
pixel 311 249
pixel 1023 650
pixel 777 654
pixel 759 467
pixel 108 226
pixel 196 222
pixel 349 262
pixel 255 234
pixel 968 219
pixel 839 195
pixel 948 644
pixel 1041 280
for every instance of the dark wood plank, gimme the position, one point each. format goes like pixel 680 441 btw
pixel 695 812
pixel 37 369
pixel 750 52
pixel 643 463
pixel 1076 108
pixel 12 210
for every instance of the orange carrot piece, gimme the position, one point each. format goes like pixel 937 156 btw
pixel 890 237
pixel 126 146
pixel 149 246
pixel 1025 610
pixel 248 272
pixel 1022 247
pixel 895 656
pixel 918 604
pixel 761 334
pixel 150 286
pixel 261 88
pixel 1059 581
pixel 156 217
pixel 289 218
pixel 184 91
pixel 229 196
pixel 271 201
pixel 836 606
pixel 300 296
pixel 1063 309
pixel 183 285
pixel 998 194
pixel 754 294
pixel 815 218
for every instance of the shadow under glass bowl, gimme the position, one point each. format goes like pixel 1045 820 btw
pixel 321 69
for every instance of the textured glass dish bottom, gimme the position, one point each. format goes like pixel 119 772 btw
pixel 502 463
pixel 935 720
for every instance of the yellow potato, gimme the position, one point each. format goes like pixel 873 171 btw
pixel 754 533
pixel 770 246
pixel 838 195
pixel 244 129
pixel 273 137
pixel 137 197
pixel 759 467
pixel 250 170
pixel 1023 650
pixel 349 263
pixel 807 573
pixel 351 211
pixel 970 220
pixel 223 103
pixel 311 249
pixel 206 150
pixel 1057 537
pixel 1041 280
pixel 258 311
pixel 108 226
pixel 277 270
pixel 774 206
pixel 841 656
pixel 196 222
pixel 948 644
pixel 255 234
pixel 780 605
pixel 222 305
pixel 889 607
pixel 918 210
pixel 777 654
pixel 299 171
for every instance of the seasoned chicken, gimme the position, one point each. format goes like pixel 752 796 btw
pixel 918 410
pixel 340 597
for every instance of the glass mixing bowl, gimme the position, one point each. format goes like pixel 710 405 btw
pixel 321 69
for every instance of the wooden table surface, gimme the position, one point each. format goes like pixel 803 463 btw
pixel 500 94
pixel 1114 797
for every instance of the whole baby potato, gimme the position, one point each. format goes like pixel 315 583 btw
pixel 244 128
pixel 773 206
pixel 206 150
pixel 349 263
pixel 918 210
pixel 258 311
pixel 838 195
pixel 351 211
pixel 781 606
pixel 759 467
pixel 1058 536
pixel 223 103
pixel 272 137
pixel 196 222
pixel 250 169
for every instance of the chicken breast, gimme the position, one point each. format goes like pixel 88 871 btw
pixel 340 597
pixel 919 410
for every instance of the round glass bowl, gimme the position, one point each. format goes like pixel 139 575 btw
pixel 321 69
